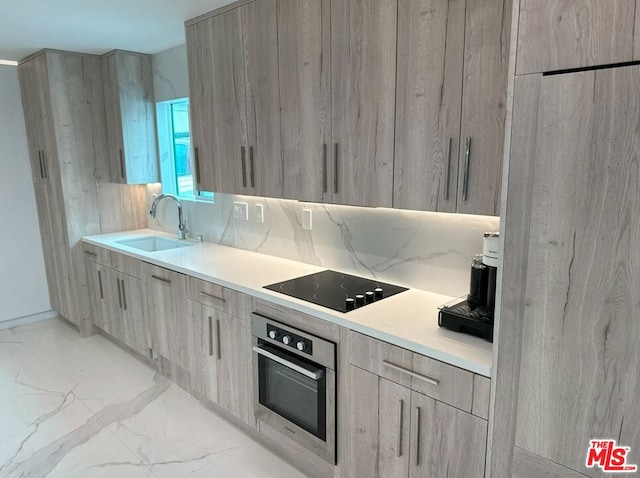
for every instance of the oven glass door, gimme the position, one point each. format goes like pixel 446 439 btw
pixel 293 388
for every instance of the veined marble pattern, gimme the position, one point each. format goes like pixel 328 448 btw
pixel 429 251
pixel 85 408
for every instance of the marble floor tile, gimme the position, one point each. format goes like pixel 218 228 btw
pixel 194 441
pixel 72 407
pixel 102 456
pixel 52 427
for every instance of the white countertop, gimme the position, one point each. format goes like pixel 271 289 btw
pixel 409 319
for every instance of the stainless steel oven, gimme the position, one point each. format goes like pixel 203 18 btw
pixel 294 382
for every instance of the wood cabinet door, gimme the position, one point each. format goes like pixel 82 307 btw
pixel 113 119
pixel 379 432
pixel 428 102
pixel 305 97
pixel 30 86
pixel 99 302
pixel 483 106
pixel 204 348
pixel 130 114
pixel 201 102
pixel 363 84
pixel 114 314
pixel 49 246
pixel 165 307
pixel 264 151
pixel 445 441
pixel 565 34
pixel 580 360
pixel 228 132
pixel 133 317
pixel 234 370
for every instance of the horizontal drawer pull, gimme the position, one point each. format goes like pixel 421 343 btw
pixel 161 279
pixel 211 296
pixel 92 254
pixel 411 373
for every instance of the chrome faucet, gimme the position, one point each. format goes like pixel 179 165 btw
pixel 182 227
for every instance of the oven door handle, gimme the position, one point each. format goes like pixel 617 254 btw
pixel 312 374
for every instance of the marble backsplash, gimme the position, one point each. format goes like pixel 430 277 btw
pixel 430 251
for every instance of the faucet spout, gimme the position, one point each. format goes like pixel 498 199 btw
pixel 182 227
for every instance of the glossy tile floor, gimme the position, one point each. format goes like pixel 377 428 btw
pixel 72 407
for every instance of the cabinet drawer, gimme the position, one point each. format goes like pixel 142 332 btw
pixel 218 297
pixel 126 265
pixel 96 254
pixel 430 377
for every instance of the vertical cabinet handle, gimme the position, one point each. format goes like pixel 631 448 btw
pixel 44 165
pixel 448 156
pixel 400 424
pixel 119 294
pixel 124 295
pixel 335 168
pixel 324 168
pixel 41 166
pixel 252 165
pixel 244 167
pixel 465 179
pixel 121 163
pixel 218 339
pixel 210 336
pixel 100 285
pixel 418 436
pixel 196 160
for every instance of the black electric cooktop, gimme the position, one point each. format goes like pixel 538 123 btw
pixel 335 290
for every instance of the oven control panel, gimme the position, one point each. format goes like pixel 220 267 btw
pixel 290 339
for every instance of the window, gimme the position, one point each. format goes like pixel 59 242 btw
pixel 174 142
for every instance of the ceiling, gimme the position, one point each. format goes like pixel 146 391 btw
pixel 95 26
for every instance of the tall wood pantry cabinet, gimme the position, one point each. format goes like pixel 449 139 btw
pixel 577 137
pixel 62 96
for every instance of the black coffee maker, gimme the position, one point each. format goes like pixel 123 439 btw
pixel 474 315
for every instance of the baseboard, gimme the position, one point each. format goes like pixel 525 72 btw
pixel 27 319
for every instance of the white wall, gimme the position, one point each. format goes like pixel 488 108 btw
pixel 23 286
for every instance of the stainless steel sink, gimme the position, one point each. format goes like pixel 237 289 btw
pixel 154 243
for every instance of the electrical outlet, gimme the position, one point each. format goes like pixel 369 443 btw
pixel 241 211
pixel 306 219
pixel 259 213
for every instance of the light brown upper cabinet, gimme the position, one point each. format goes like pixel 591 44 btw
pixel 233 70
pixel 130 112
pixel 352 101
pixel 450 107
pixel 363 86
pixel 484 97
pixel 305 97
pixel 565 34
pixel 337 62
pixel 429 97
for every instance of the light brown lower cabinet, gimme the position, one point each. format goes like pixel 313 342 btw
pixel 117 305
pixel 165 299
pixel 220 347
pixel 397 432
